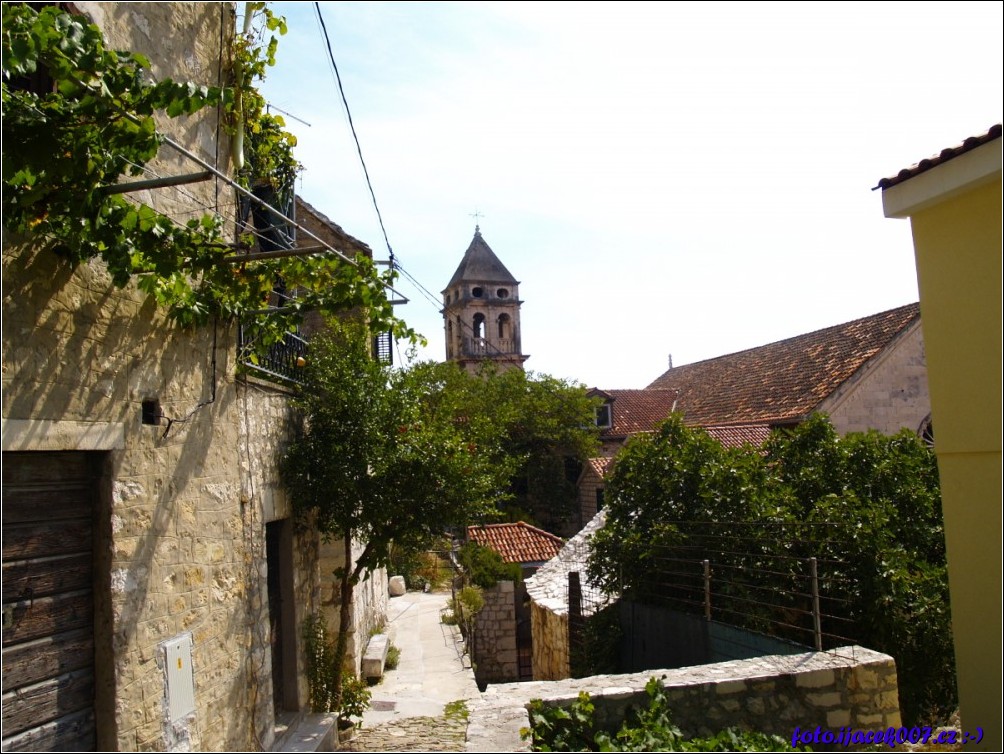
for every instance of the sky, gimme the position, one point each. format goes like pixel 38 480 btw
pixel 664 179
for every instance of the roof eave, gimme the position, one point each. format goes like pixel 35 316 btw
pixel 956 176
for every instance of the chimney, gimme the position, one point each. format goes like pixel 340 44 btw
pixel 671 361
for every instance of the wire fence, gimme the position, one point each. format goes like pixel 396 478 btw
pixel 737 589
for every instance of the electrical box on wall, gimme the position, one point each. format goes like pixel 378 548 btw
pixel 179 676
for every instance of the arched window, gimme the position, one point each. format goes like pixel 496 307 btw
pixel 449 339
pixel 505 327
pixel 479 326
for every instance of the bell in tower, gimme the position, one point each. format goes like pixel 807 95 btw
pixel 481 311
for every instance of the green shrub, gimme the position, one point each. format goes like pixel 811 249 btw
pixel 355 697
pixel 320 655
pixel 485 567
pixel 573 728
pixel 393 657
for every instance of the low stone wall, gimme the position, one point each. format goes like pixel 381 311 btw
pixel 849 686
pixel 550 641
pixel 494 646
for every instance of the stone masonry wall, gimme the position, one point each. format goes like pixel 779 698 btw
pixel 891 395
pixel 369 600
pixel 184 514
pixel 494 646
pixel 849 686
pixel 550 642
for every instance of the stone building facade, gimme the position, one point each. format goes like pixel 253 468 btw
pixel 867 374
pixel 142 455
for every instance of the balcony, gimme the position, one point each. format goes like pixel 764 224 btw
pixel 486 347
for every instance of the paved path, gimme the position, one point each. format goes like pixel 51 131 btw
pixel 407 707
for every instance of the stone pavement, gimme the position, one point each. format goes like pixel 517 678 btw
pixel 407 707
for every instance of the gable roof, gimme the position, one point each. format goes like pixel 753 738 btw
pixel 518 542
pixel 634 411
pixel 481 265
pixel 548 587
pixel 781 382
pixel 739 435
pixel 942 157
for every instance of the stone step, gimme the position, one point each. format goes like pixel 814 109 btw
pixel 311 732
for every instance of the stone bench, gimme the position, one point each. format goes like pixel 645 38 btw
pixel 375 656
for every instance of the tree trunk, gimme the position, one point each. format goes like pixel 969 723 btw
pixel 344 619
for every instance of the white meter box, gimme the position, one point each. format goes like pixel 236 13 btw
pixel 179 676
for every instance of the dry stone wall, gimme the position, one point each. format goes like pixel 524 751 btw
pixel 494 646
pixel 849 686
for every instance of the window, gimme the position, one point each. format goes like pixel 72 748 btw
pixel 477 292
pixel 603 419
pixel 479 326
pixel 502 293
pixel 503 323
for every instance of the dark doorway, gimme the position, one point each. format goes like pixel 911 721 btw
pixel 281 614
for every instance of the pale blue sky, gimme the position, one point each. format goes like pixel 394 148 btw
pixel 684 178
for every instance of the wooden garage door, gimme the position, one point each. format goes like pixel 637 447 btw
pixel 48 607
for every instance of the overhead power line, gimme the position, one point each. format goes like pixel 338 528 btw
pixel 355 136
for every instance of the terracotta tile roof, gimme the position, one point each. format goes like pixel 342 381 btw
pixel 518 542
pixel 635 411
pixel 781 382
pixel 600 466
pixel 942 157
pixel 737 436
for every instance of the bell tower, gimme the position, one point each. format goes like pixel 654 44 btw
pixel 481 311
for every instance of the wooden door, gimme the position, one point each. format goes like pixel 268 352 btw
pixel 48 605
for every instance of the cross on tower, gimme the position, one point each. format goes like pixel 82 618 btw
pixel 477 216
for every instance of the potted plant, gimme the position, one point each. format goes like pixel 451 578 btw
pixel 354 702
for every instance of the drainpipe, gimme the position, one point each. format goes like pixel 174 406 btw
pixel 237 151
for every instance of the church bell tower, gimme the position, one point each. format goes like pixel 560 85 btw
pixel 481 311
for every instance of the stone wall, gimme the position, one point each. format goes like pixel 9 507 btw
pixel 849 686
pixel 369 600
pixel 494 645
pixel 180 543
pixel 550 642
pixel 890 394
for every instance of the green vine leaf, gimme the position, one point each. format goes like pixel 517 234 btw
pixel 96 125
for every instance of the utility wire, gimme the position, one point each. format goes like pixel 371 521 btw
pixel 432 298
pixel 359 150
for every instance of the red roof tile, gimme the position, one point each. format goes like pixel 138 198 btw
pixel 944 156
pixel 781 382
pixel 600 466
pixel 737 436
pixel 518 542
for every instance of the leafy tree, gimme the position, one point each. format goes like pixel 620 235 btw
pixel 678 494
pixel 547 425
pixel 485 568
pixel 386 456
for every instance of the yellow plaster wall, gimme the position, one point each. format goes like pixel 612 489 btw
pixel 958 250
